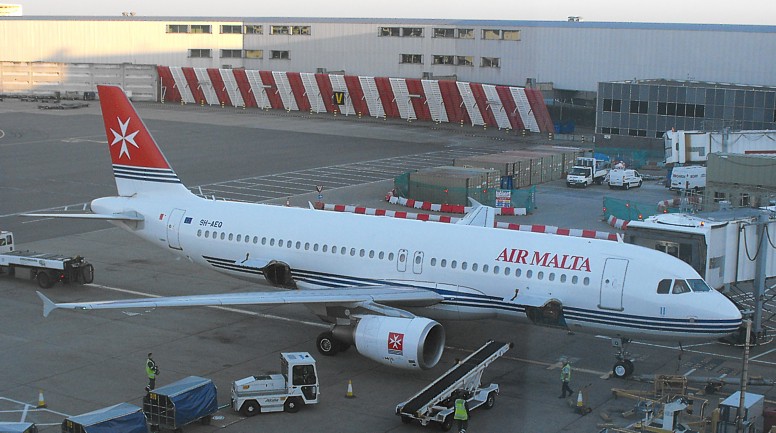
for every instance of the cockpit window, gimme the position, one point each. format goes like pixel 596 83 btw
pixel 680 286
pixel 664 286
pixel 698 285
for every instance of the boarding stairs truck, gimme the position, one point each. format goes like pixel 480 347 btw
pixel 296 385
pixel 587 171
pixel 45 268
pixel 436 402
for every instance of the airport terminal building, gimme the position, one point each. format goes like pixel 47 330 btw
pixel 637 75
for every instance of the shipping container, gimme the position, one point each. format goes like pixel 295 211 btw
pixel 453 185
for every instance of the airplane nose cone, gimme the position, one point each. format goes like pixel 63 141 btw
pixel 729 312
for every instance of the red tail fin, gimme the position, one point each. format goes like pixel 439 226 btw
pixel 138 163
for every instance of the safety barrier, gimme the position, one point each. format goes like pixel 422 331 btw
pixel 535 228
pixel 447 208
pixel 503 107
pixel 617 223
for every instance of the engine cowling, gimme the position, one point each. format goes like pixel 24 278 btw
pixel 415 343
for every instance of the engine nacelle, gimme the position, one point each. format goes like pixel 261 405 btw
pixel 415 343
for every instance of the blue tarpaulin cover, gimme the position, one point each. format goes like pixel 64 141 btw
pixel 120 418
pixel 15 427
pixel 193 398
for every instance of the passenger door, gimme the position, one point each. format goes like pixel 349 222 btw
pixel 173 228
pixel 612 284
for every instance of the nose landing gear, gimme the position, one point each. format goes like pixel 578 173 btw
pixel 624 366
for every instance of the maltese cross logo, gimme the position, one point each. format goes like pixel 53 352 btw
pixel 395 343
pixel 124 138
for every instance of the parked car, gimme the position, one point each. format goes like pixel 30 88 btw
pixel 624 178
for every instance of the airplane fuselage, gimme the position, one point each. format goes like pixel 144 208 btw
pixel 590 285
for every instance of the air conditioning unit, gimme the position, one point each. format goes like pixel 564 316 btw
pixel 428 75
pixel 320 71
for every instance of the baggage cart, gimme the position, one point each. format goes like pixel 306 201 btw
pixel 172 406
pixel 120 418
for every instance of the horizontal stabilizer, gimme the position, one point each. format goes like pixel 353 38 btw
pixel 124 216
pixel 380 295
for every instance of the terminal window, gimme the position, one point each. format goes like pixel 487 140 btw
pixel 490 62
pixel 254 30
pixel 200 28
pixel 612 105
pixel 390 31
pixel 640 107
pixel 199 53
pixel 416 32
pixel 510 35
pixel 412 58
pixel 300 30
pixel 276 54
pixel 254 54
pixel 465 33
pixel 464 60
pixel 177 28
pixel 444 33
pixel 637 132
pixel 279 30
pixel 231 54
pixel 231 29
pixel 490 34
pixel 443 60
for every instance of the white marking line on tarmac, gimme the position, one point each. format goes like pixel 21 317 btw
pixel 34 409
pixel 719 355
pixel 218 307
pixel 548 365
pixel 762 354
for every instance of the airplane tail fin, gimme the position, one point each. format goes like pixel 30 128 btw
pixel 138 163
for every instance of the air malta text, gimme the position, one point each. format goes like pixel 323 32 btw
pixel 548 260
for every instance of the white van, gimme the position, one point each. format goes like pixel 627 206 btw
pixel 624 178
pixel 690 177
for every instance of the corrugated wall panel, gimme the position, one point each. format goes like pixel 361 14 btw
pixel 245 88
pixel 372 96
pixel 338 85
pixel 271 90
pixel 300 95
pixel 510 107
pixel 357 97
pixel 313 92
pixel 453 102
pixel 324 85
pixel 169 89
pixel 386 96
pixel 284 90
pixel 206 86
pixel 193 83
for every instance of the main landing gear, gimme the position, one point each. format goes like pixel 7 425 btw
pixel 328 345
pixel 624 365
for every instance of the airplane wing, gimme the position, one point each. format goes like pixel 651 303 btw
pixel 125 216
pixel 374 298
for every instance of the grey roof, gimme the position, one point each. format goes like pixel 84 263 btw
pixel 745 28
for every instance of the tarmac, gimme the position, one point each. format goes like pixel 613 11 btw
pixel 83 361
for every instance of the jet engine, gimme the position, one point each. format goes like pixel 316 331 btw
pixel 415 343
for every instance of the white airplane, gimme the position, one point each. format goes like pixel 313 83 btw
pixel 381 282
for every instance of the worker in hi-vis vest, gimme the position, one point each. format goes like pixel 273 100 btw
pixel 151 371
pixel 565 377
pixel 462 412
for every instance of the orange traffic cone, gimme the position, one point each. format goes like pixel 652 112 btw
pixel 41 401
pixel 350 390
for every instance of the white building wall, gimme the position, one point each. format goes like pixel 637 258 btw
pixel 572 56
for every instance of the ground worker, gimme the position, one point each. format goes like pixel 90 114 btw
pixel 565 377
pixel 462 412
pixel 151 371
